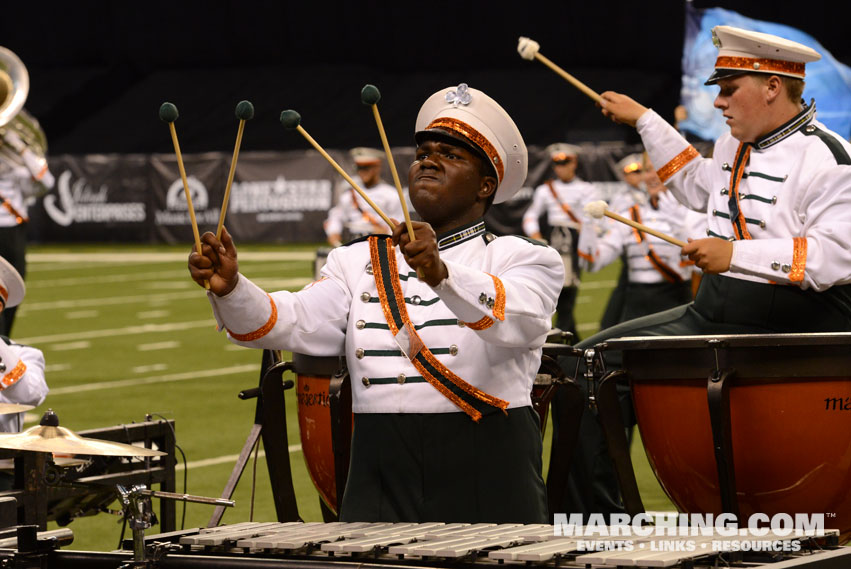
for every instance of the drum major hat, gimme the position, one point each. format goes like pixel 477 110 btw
pixel 473 118
pixel 12 287
pixel 743 51
pixel 366 156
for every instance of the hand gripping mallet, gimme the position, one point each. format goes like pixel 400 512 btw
pixel 291 120
pixel 244 112
pixel 528 49
pixel 369 95
pixel 598 209
pixel 168 113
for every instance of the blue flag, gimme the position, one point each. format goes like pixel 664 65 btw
pixel 827 81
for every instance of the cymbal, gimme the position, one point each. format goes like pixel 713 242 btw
pixel 8 464
pixel 47 438
pixel 6 408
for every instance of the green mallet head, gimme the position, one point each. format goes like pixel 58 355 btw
pixel 290 119
pixel 369 95
pixel 245 111
pixel 168 112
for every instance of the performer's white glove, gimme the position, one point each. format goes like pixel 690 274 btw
pixel 14 141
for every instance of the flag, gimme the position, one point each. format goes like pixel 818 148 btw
pixel 827 81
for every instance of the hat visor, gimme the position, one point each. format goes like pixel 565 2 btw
pixel 723 74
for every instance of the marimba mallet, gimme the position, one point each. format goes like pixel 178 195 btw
pixel 292 121
pixel 529 49
pixel 369 95
pixel 598 209
pixel 169 114
pixel 244 112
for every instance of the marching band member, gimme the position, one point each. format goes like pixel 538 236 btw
pixel 777 197
pixel 351 216
pixel 442 365
pixel 21 367
pixel 562 201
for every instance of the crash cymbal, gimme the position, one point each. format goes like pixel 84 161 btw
pixel 6 408
pixel 8 464
pixel 50 437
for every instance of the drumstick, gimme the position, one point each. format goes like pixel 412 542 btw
pixel 168 113
pixel 291 119
pixel 244 112
pixel 598 209
pixel 370 96
pixel 528 49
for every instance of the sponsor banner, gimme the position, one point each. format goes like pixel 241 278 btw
pixel 281 197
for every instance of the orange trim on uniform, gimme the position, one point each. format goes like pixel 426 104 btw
pixel 499 301
pixel 479 325
pixel 4 295
pixel 799 259
pixel 475 137
pixel 675 165
pixel 40 175
pixel 586 256
pixel 13 376
pixel 760 64
pixel 263 330
pixel 19 219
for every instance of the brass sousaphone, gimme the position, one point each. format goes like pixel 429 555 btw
pixel 14 88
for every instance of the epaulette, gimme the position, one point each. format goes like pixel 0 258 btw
pixel 364 238
pixel 835 147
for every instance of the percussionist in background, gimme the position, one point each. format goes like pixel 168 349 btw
pixel 777 197
pixel 442 365
pixel 352 217
pixel 21 367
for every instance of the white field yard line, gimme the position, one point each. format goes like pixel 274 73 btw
pixel 141 329
pixel 132 258
pixel 195 374
pixel 227 459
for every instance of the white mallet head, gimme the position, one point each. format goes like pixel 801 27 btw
pixel 527 48
pixel 596 209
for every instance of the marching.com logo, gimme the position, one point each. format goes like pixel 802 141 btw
pixel 706 531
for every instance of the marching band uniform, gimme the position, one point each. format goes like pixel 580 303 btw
pixel 563 204
pixel 657 276
pixel 784 200
pixel 21 367
pixel 441 376
pixel 23 176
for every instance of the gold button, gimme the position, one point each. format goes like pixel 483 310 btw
pixel 401 378
pixel 416 300
pixel 365 381
pixel 453 350
pixel 786 268
pixel 365 297
pixel 360 324
pixel 369 268
pixel 461 324
pixel 359 353
pixel 775 265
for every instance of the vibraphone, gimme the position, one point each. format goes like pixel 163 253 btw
pixel 323 545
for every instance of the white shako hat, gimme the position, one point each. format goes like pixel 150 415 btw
pixel 471 117
pixel 743 51
pixel 12 287
pixel 561 150
pixel 630 164
pixel 366 156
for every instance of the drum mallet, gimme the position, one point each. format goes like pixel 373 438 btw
pixel 168 113
pixel 369 95
pixel 598 209
pixel 244 112
pixel 529 49
pixel 292 121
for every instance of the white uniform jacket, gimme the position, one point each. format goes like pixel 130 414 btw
pixel 574 194
pixel 21 381
pixel 649 259
pixel 506 289
pixel 346 214
pixel 793 195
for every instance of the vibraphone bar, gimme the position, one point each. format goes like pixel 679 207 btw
pixel 323 545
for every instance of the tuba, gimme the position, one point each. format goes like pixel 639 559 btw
pixel 14 87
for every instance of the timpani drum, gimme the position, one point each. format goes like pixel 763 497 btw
pixel 747 423
pixel 324 420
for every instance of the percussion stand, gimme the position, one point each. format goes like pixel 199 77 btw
pixel 718 398
pixel 270 422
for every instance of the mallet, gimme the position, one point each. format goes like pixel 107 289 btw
pixel 598 209
pixel 369 95
pixel 244 112
pixel 169 114
pixel 291 120
pixel 528 49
